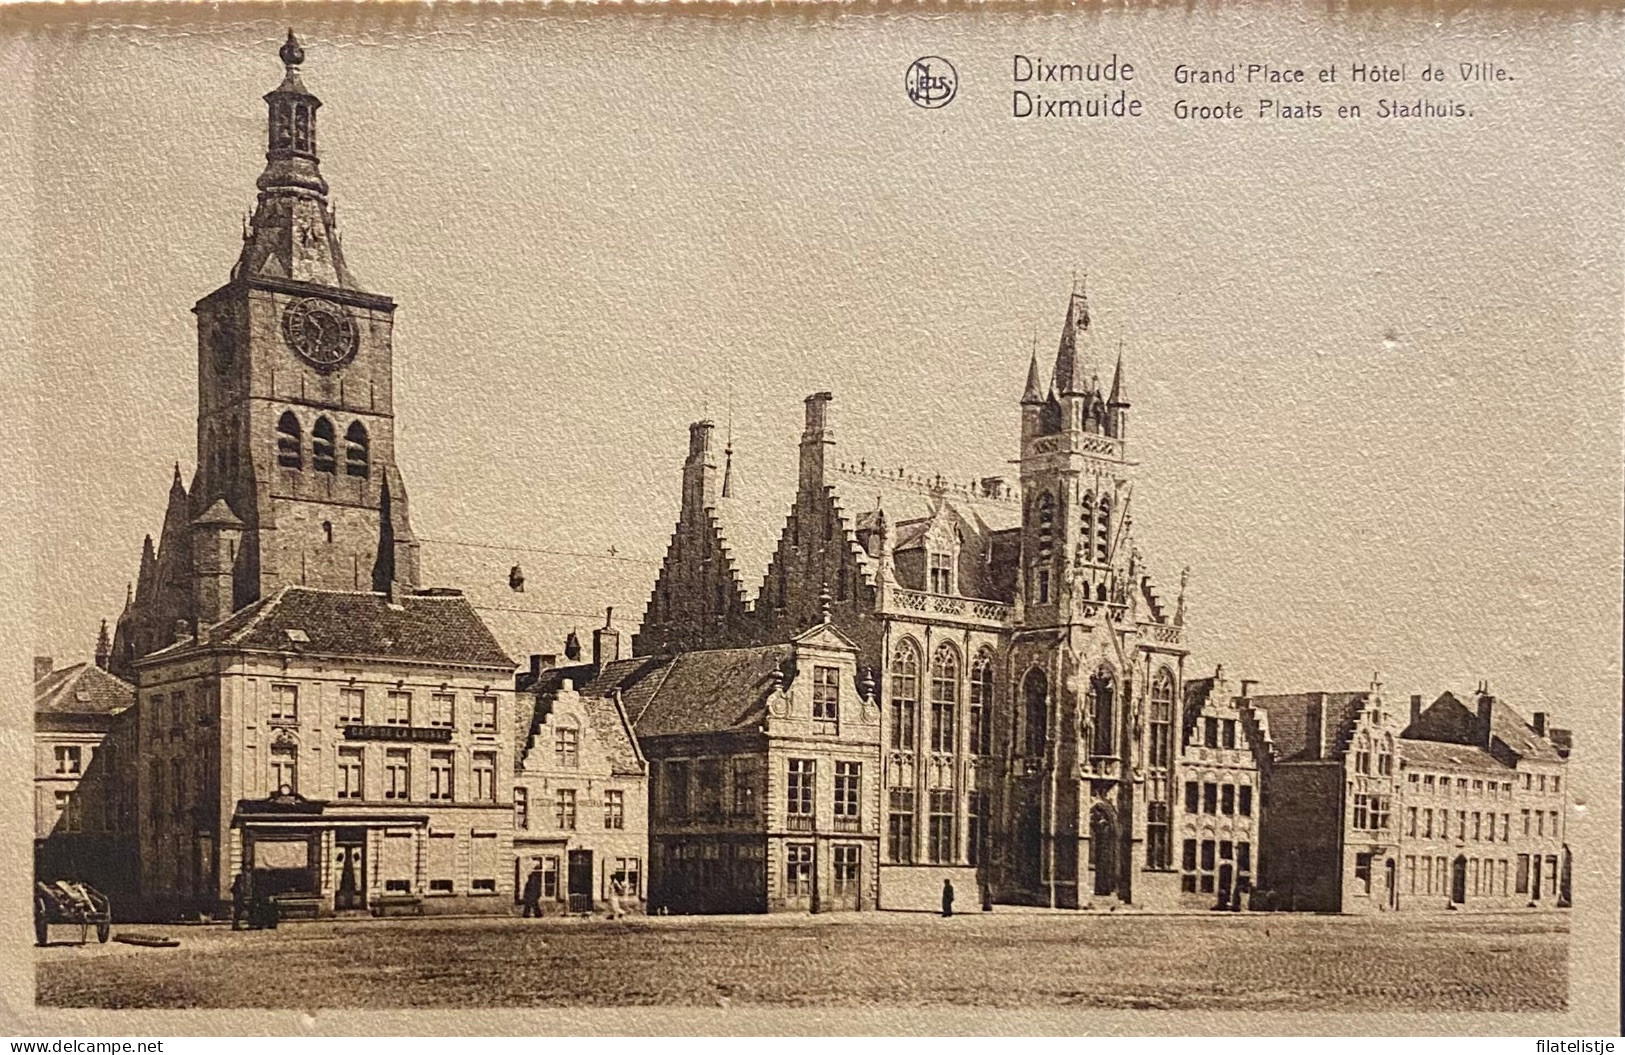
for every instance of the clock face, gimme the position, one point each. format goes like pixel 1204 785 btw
pixel 322 334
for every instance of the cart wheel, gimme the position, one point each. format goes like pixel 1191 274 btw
pixel 104 930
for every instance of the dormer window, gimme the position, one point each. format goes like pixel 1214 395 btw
pixel 826 702
pixel 942 573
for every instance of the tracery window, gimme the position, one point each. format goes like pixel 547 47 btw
pixel 944 697
pixel 981 706
pixel 905 693
pixel 1161 746
pixel 1035 711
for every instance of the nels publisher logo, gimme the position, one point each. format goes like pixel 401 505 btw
pixel 931 82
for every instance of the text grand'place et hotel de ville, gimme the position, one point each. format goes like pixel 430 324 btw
pixel 929 681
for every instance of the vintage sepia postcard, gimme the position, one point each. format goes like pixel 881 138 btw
pixel 814 519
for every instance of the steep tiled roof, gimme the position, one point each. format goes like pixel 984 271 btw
pixel 83 688
pixel 1508 726
pixel 432 628
pixel 1293 733
pixel 694 692
pixel 1432 754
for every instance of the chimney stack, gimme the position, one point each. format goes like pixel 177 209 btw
pixel 1247 686
pixel 816 441
pixel 606 641
pixel 43 665
pixel 1416 707
pixel 1540 723
pixel 1486 713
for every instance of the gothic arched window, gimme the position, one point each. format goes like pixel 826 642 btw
pixel 1045 522
pixel 1035 711
pixel 981 705
pixel 289 442
pixel 323 457
pixel 355 450
pixel 1161 748
pixel 1103 708
pixel 1103 530
pixel 944 697
pixel 905 693
pixel 1086 528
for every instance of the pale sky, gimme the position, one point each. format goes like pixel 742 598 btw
pixel 1375 368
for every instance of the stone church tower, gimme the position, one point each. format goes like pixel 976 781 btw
pixel 296 482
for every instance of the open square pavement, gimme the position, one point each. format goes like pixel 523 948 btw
pixel 1009 959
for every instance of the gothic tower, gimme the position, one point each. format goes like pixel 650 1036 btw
pixel 296 426
pixel 1083 653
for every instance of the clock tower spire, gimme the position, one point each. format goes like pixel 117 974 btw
pixel 296 417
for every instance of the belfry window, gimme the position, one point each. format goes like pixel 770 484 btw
pixel 355 450
pixel 289 442
pixel 1103 530
pixel 322 455
pixel 1086 527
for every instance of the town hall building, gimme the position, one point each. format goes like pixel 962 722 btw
pixel 1030 677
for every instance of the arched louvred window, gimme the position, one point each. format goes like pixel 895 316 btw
pixel 323 457
pixel 981 705
pixel 1086 527
pixel 1103 534
pixel 1161 747
pixel 290 447
pixel 905 693
pixel 944 697
pixel 355 450
pixel 1035 712
pixel 1103 707
pixel 1046 525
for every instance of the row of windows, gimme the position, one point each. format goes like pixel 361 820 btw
pixel 564 809
pixel 1214 866
pixel 1372 812
pixel 399 708
pixel 324 452
pixel 942 826
pixel 675 795
pixel 1481 877
pixel 1419 821
pixel 798 869
pixel 627 872
pixel 399 862
pixel 351 781
pixel 905 698
pixel 1538 782
pixel 1094 540
pixel 1212 798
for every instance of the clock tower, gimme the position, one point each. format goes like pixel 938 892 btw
pixel 296 415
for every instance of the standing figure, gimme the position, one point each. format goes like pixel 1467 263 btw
pixel 532 898
pixel 616 890
pixel 240 894
pixel 947 898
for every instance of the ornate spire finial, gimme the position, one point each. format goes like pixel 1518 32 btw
pixel 292 53
pixel 824 604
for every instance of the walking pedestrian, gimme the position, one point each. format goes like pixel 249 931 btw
pixel 616 890
pixel 987 897
pixel 532 898
pixel 947 898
